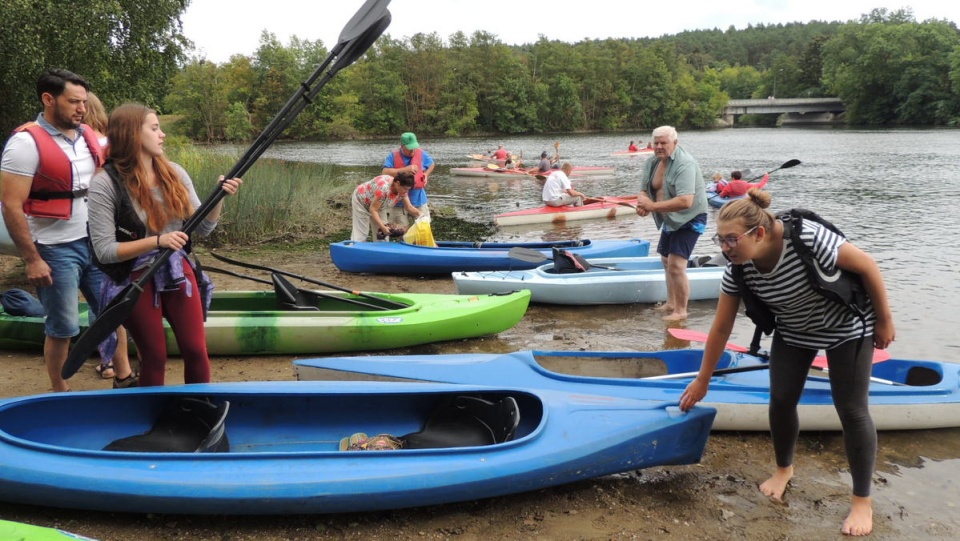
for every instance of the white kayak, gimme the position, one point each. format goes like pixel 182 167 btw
pixel 626 280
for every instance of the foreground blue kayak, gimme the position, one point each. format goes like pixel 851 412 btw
pixel 447 257
pixel 904 394
pixel 276 447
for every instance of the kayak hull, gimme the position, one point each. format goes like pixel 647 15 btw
pixel 904 394
pixel 626 281
pixel 447 257
pixel 249 323
pixel 274 447
pixel 610 208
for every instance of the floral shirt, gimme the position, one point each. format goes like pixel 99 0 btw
pixel 377 189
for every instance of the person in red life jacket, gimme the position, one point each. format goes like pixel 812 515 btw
pixel 409 158
pixel 501 154
pixel 737 187
pixel 774 273
pixel 139 201
pixel 45 172
pixel 632 147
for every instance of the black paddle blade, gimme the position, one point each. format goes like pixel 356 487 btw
pixel 526 254
pixel 109 319
pixel 355 48
pixel 790 164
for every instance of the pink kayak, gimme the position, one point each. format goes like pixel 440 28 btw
pixel 642 151
pixel 610 208
pixel 581 171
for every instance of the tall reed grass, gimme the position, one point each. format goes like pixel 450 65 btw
pixel 278 201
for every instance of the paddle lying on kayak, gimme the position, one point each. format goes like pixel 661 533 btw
pixel 819 361
pixel 533 256
pixel 225 259
pixel 301 291
pixel 357 36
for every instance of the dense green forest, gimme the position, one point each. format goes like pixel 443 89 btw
pixel 888 68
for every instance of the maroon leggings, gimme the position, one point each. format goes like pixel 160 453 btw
pixel 185 315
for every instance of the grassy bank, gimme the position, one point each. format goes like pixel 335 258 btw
pixel 290 204
pixel 279 201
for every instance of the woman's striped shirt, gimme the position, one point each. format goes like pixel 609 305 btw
pixel 804 317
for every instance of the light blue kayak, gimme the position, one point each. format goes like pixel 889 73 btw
pixel 447 257
pixel 278 447
pixel 608 281
pixel 904 394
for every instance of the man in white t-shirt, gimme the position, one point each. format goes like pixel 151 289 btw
pixel 45 171
pixel 557 191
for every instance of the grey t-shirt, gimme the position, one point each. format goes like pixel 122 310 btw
pixel 105 199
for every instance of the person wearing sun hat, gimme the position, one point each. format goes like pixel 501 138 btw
pixel 410 158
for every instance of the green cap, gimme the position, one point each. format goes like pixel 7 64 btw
pixel 409 141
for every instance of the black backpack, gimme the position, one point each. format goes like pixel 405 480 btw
pixel 840 286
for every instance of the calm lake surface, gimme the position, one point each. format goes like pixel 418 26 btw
pixel 893 193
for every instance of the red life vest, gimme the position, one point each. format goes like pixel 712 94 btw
pixel 51 192
pixel 416 159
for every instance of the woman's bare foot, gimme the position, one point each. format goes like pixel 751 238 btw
pixel 774 487
pixel 675 316
pixel 860 520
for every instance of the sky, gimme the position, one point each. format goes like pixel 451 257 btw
pixel 220 29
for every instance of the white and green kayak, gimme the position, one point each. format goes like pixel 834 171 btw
pixel 254 323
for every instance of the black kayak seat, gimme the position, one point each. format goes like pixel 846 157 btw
pixel 466 421
pixel 186 425
pixel 289 297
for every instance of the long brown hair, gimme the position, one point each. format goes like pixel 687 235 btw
pixel 123 149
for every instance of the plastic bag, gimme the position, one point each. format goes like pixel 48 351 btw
pixel 420 233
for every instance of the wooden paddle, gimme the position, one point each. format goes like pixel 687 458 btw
pixel 879 355
pixel 356 37
pixel 304 291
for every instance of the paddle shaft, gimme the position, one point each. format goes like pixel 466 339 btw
pixel 225 259
pixel 314 292
pixel 357 36
pixel 752 368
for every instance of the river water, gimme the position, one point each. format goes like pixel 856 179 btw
pixel 892 192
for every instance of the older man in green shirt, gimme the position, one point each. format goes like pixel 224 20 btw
pixel 673 190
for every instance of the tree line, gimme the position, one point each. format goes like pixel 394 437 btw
pixel 888 68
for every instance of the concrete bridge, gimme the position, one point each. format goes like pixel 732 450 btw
pixel 794 110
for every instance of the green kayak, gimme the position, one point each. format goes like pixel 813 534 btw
pixel 18 530
pixel 252 322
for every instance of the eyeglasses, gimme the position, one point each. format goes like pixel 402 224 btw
pixel 731 241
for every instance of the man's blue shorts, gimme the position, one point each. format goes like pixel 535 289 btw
pixel 682 241
pixel 73 271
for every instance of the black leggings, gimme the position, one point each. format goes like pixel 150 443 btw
pixel 850 371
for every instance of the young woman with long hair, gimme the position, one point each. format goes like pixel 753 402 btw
pixel 139 202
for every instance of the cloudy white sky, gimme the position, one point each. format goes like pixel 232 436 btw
pixel 220 29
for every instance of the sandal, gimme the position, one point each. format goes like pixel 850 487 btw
pixel 105 370
pixel 126 383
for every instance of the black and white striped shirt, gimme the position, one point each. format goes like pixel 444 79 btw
pixel 804 317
